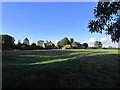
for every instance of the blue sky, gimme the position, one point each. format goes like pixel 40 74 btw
pixel 50 21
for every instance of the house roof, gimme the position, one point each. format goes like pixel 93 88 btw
pixel 67 46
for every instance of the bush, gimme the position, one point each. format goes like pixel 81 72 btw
pixel 104 48
pixel 24 47
pixel 76 45
pixel 33 46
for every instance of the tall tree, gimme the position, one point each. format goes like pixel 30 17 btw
pixel 107 18
pixel 63 42
pixel 59 45
pixel 71 40
pixel 98 44
pixel 7 42
pixel 26 41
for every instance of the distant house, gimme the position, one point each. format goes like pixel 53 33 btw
pixel 67 47
pixel 48 45
pixel 70 47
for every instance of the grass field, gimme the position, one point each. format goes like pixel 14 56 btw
pixel 73 68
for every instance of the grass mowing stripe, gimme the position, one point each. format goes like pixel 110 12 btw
pixel 52 61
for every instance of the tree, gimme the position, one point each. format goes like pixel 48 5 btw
pixel 110 47
pixel 18 46
pixel 65 41
pixel 76 45
pixel 26 41
pixel 33 46
pixel 71 40
pixel 24 47
pixel 7 42
pixel 85 45
pixel 19 42
pixel 107 19
pixel 98 44
pixel 59 45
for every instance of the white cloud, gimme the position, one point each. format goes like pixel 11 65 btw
pixel 105 41
pixel 16 42
pixel 92 40
pixel 85 41
pixel 31 41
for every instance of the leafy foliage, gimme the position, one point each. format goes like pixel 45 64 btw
pixel 19 42
pixel 26 41
pixel 63 42
pixel 33 46
pixel 18 45
pixel 107 19
pixel 76 45
pixel 24 47
pixel 7 42
pixel 98 44
pixel 85 45
pixel 71 40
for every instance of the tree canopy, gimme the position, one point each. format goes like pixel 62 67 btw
pixel 98 44
pixel 26 41
pixel 85 45
pixel 19 42
pixel 7 42
pixel 107 18
pixel 63 42
pixel 76 45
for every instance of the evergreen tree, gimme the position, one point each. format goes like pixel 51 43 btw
pixel 26 41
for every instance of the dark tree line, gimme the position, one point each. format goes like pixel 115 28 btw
pixel 74 45
pixel 26 45
pixel 7 43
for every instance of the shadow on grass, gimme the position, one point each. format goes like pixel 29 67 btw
pixel 100 71
pixel 29 56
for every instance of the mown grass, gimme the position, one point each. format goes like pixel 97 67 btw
pixel 73 68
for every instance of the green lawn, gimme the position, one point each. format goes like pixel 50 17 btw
pixel 73 68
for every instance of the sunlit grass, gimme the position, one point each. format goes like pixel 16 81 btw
pixel 33 56
pixel 52 61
